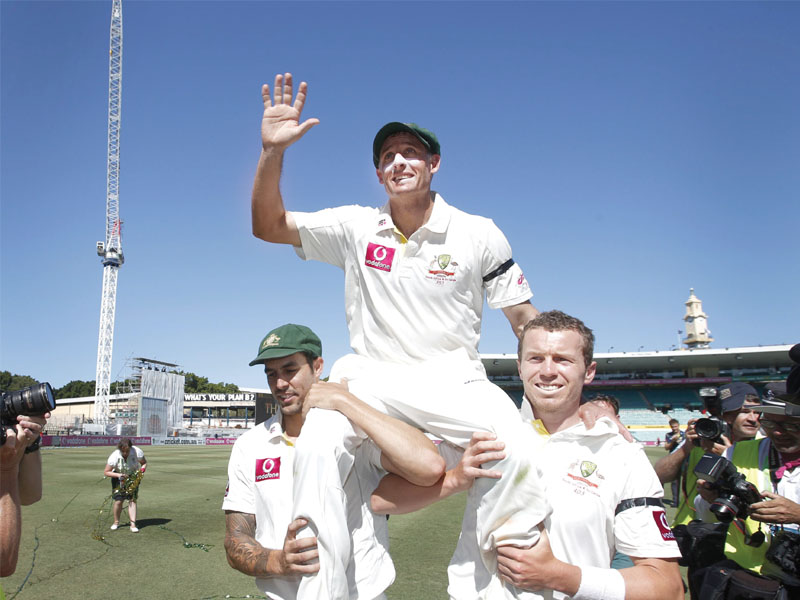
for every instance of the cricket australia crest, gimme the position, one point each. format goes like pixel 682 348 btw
pixel 587 468
pixel 442 269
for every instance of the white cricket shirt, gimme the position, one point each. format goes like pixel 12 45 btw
pixel 586 473
pixel 260 483
pixel 409 300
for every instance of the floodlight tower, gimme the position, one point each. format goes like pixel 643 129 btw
pixel 110 251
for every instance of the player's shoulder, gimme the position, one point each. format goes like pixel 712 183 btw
pixel 355 212
pixel 622 450
pixel 345 215
pixel 478 221
pixel 481 231
pixel 258 433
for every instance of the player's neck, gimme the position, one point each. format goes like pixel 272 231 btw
pixel 292 424
pixel 410 212
pixel 557 421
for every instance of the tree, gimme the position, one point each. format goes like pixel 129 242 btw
pixel 195 384
pixel 75 389
pixel 11 382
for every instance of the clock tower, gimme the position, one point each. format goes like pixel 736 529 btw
pixel 697 333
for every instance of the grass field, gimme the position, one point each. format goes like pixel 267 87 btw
pixel 67 550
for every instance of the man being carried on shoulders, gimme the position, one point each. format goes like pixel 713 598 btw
pixel 416 272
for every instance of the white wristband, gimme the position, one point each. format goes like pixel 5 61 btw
pixel 600 584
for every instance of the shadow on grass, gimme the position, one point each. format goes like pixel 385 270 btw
pixel 142 523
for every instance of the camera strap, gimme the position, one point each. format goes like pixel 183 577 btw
pixel 774 465
pixel 632 502
pixel 755 539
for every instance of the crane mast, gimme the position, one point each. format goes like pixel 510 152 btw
pixel 110 251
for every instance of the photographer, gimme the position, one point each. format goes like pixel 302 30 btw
pixel 731 408
pixel 765 538
pixel 20 483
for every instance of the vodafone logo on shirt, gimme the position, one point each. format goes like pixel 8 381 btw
pixel 660 518
pixel 379 257
pixel 268 468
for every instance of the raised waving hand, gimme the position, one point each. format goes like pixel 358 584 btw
pixel 280 125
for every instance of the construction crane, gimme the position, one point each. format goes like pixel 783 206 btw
pixel 110 251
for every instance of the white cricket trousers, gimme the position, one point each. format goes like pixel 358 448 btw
pixel 449 397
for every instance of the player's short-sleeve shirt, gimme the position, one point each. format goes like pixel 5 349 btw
pixel 586 474
pixel 260 482
pixel 410 299
pixel 120 464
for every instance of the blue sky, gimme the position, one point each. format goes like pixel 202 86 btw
pixel 628 150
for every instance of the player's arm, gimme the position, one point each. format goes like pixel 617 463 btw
pixel 536 568
pixel 653 578
pixel 589 412
pixel 518 315
pixel 405 450
pixel 280 128
pixel 245 554
pixel 394 495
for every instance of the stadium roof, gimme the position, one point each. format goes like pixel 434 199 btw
pixel 155 362
pixel 749 357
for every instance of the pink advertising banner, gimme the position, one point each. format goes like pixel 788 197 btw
pixel 228 441
pixel 90 440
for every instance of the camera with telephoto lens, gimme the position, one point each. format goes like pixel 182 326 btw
pixel 711 428
pixel 33 401
pixel 736 494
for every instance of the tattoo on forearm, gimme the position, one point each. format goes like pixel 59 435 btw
pixel 244 553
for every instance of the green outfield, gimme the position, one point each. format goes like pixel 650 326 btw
pixel 68 551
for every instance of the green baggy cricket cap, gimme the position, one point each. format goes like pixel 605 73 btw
pixel 287 340
pixel 428 138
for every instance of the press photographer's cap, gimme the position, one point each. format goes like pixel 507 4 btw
pixel 770 402
pixel 733 395
pixel 793 379
pixel 287 340
pixel 428 138
pixel 783 398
